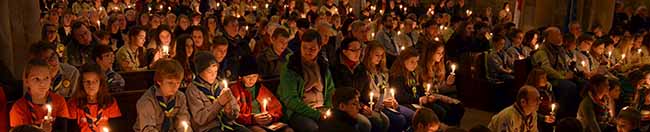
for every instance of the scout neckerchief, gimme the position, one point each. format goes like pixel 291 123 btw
pixel 32 105
pixel 600 109
pixel 254 91
pixel 527 123
pixel 413 84
pixel 110 75
pixel 168 109
pixel 93 122
pixel 211 91
pixel 585 53
pixel 58 82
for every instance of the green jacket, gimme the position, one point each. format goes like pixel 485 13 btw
pixel 554 60
pixel 291 88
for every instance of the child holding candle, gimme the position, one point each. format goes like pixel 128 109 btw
pixel 375 66
pixel 404 77
pixel 546 112
pixel 587 66
pixel 32 108
pixel 162 107
pixel 211 103
pixel 64 76
pixel 92 106
pixel 259 107
pixel 435 73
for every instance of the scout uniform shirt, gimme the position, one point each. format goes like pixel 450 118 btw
pixel 512 119
pixel 92 118
pixel 132 58
pixel 66 81
pixel 207 113
pixel 157 114
pixel 25 112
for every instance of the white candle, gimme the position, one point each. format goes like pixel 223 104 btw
pixel 169 8
pixel 622 56
pixel 218 4
pixel 507 9
pixel 371 96
pixel 49 110
pixel 246 28
pixel 99 24
pixel 399 32
pixel 266 5
pixel 536 46
pixel 150 9
pixel 165 49
pixel 453 69
pixel 381 11
pixel 350 9
pixel 442 27
pixel 161 7
pixel 105 129
pixel 428 88
pixel 583 63
pixel 115 8
pixel 265 103
pixel 186 126
pixel 468 12
pixel 639 50
pixel 225 84
pixel 372 35
pixel 392 92
pixel 436 39
pixel 402 48
pixel 400 6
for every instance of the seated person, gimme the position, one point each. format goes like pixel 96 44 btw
pixel 259 107
pixel 39 106
pixel 628 120
pixel 518 51
pixel 499 62
pixel 425 121
pixel 343 117
pixel 593 112
pixel 131 56
pixel 65 76
pixel 92 106
pixel 104 57
pixel 162 107
pixel 545 115
pixel 273 58
pixel 228 65
pixel 586 64
pixel 521 116
pixel 408 90
pixel 305 85
pixel 213 107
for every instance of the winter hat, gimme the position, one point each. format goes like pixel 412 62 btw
pixel 248 66
pixel 203 60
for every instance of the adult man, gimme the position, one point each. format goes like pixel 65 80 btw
pixel 305 85
pixel 521 116
pixel 272 59
pixel 78 51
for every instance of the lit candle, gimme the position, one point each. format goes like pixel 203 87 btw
pixel 436 39
pixel 402 48
pixel 165 49
pixel 254 7
pixel 392 92
pixel 266 5
pixel 218 4
pixel 399 32
pixel 99 24
pixel 350 9
pixel 372 35
pixel 372 8
pixel 553 109
pixel 265 103
pixel 115 8
pixel 225 84
pixel 169 8
pixel 639 50
pixel 328 113
pixel 442 27
pixel 49 110
pixel 583 63
pixel 536 46
pixel 468 12
pixel 428 89
pixel 609 54
pixel 149 9
pixel 400 6
pixel 371 103
pixel 161 7
pixel 405 9
pixel 105 129
pixel 622 56
pixel 381 11
pixel 507 9
pixel 186 126
pixel 453 69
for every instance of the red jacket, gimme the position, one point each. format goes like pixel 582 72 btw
pixel 245 116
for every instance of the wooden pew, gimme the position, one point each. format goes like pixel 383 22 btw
pixel 471 83
pixel 136 84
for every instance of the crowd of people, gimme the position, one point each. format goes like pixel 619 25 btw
pixel 367 66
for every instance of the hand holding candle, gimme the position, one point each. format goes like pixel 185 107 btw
pixel 225 84
pixel 371 103
pixel 392 93
pixel 553 105
pixel 165 49
pixel 49 111
pixel 265 103
pixel 105 129
pixel 328 113
pixel 428 91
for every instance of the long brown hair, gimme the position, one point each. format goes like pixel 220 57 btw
pixel 431 68
pixel 104 98
pixel 367 61
pixel 534 76
pixel 398 69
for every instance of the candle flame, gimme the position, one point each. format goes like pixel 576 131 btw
pixel 105 129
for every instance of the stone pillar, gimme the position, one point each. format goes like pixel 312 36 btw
pixel 19 28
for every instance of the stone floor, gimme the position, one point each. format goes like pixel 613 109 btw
pixel 475 117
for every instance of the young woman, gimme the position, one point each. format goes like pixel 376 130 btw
pixel 404 78
pixel 185 53
pixel 131 57
pixel 594 111
pixel 92 106
pixel 163 37
pixel 434 73
pixel 530 40
pixel 375 66
pixel 200 38
pixel 39 106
